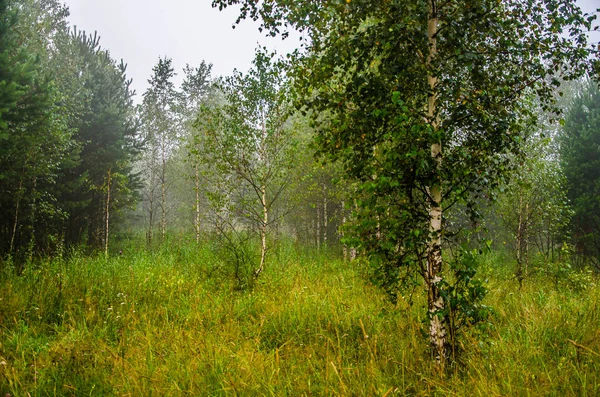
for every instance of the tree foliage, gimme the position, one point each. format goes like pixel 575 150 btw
pixel 580 157
pixel 421 100
pixel 33 141
pixel 67 123
pixel 160 130
pixel 533 210
pixel 249 146
pixel 105 135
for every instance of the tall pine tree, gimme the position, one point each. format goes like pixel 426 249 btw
pixel 33 141
pixel 105 135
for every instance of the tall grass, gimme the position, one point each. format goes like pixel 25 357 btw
pixel 171 323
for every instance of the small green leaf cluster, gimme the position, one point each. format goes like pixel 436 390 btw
pixel 464 294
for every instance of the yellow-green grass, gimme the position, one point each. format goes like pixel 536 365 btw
pixel 170 323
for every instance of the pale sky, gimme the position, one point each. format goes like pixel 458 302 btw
pixel 188 31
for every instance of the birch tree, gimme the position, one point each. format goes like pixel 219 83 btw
pixel 249 147
pixel 422 99
pixel 195 92
pixel 533 206
pixel 160 126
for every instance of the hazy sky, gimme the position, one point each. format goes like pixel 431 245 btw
pixel 188 31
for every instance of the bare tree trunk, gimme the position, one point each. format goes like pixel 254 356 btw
pixel 552 250
pixel 325 220
pixel 16 221
pixel 353 253
pixel 107 214
pixel 263 200
pixel 526 239
pixel 277 226
pixel 151 221
pixel 33 219
pixel 151 208
pixel 548 243
pixel 163 190
pixel 197 215
pixel 263 231
pixel 519 244
pixel 438 333
pixel 318 231
pixel 522 242
pixel 344 246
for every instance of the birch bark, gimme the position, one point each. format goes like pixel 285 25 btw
pixel 436 305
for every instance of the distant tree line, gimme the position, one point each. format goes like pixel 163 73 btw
pixel 79 160
pixel 68 133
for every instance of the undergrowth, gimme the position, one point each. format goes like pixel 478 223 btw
pixel 171 322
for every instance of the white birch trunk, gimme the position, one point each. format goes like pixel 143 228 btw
pixel 163 189
pixel 197 215
pixel 438 333
pixel 16 221
pixel 318 231
pixel 264 203
pixel 325 215
pixel 107 214
pixel 151 207
pixel 344 246
pixel 263 231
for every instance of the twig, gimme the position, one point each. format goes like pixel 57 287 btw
pixel 583 347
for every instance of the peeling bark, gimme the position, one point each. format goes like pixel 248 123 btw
pixel 438 333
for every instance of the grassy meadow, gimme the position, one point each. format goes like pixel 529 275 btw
pixel 171 323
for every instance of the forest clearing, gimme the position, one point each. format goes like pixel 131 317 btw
pixel 407 203
pixel 171 323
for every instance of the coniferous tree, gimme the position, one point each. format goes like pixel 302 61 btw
pixel 580 156
pixel 68 125
pixel 33 141
pixel 105 135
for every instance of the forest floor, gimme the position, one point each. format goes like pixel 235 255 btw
pixel 171 323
